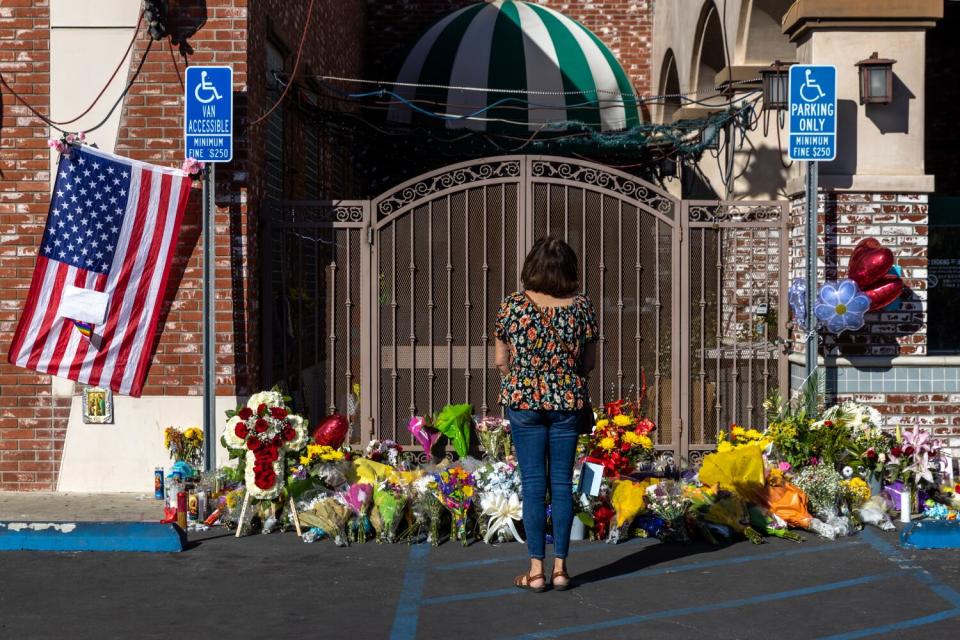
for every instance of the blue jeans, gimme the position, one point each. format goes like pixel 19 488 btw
pixel 546 441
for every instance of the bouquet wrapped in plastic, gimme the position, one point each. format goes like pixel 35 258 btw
pixel 666 500
pixel 330 515
pixel 500 505
pixel 389 502
pixel 456 490
pixel 494 436
pixel 357 497
pixel 454 421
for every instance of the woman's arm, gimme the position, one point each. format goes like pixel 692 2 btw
pixel 589 358
pixel 501 356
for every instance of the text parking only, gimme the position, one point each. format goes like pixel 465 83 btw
pixel 208 122
pixel 813 112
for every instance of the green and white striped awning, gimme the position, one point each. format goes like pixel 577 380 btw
pixel 550 69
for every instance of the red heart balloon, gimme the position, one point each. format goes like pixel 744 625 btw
pixel 884 291
pixel 863 245
pixel 332 431
pixel 869 263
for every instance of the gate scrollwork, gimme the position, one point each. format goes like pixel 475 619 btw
pixel 597 176
pixel 734 213
pixel 439 182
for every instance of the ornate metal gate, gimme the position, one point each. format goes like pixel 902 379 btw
pixel 734 315
pixel 399 294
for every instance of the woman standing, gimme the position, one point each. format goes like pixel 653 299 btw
pixel 545 347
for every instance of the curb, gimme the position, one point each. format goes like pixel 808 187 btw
pixel 91 536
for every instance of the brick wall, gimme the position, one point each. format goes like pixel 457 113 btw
pixel 151 129
pixel 898 221
pixel 32 422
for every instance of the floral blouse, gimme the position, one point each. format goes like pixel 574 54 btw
pixel 543 374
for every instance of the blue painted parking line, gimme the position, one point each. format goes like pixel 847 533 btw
pixel 576 549
pixel 660 571
pixel 926 578
pixel 895 626
pixel 707 608
pixel 408 607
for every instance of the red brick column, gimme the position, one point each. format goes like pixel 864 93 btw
pixel 31 424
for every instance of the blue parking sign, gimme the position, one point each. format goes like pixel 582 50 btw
pixel 208 117
pixel 813 112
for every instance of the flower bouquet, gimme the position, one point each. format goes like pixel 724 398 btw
pixel 389 502
pixel 265 430
pixel 426 511
pixel 499 486
pixel 494 436
pixel 330 515
pixel 385 451
pixel 666 500
pixel 455 489
pixel 185 446
pixel 823 487
pixel 357 498
pixel 620 440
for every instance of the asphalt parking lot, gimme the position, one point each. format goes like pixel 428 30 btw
pixel 278 586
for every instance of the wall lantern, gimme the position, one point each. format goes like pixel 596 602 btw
pixel 776 86
pixel 710 136
pixel 876 80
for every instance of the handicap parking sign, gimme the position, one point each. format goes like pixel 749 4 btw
pixel 208 117
pixel 813 112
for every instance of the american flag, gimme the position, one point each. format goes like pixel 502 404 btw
pixel 109 240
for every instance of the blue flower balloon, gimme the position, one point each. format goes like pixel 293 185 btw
pixel 797 297
pixel 840 306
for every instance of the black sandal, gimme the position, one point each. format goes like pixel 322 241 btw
pixel 523 582
pixel 560 574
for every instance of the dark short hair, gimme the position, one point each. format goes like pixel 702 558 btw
pixel 551 268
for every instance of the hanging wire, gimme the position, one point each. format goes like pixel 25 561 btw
pixel 296 67
pixel 53 125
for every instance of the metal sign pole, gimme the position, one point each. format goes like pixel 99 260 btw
pixel 209 325
pixel 811 211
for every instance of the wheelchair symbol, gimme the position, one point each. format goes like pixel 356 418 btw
pixel 811 85
pixel 206 86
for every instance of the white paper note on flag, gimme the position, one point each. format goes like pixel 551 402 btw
pixel 84 305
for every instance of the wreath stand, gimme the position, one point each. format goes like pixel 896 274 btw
pixel 246 513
